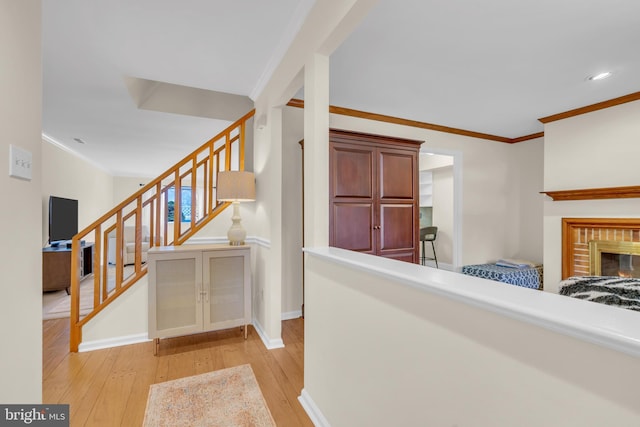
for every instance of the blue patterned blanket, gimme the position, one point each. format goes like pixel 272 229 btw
pixel 618 291
pixel 530 277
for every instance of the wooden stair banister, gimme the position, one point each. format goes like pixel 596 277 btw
pixel 149 209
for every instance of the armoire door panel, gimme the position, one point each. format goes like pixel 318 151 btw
pixel 397 174
pixel 352 172
pixel 353 223
pixel 397 230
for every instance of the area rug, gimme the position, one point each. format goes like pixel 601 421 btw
pixel 62 307
pixel 228 397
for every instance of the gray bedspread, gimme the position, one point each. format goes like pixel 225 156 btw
pixel 617 291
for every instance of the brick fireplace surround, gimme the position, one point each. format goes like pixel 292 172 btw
pixel 577 232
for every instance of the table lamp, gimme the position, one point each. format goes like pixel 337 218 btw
pixel 236 187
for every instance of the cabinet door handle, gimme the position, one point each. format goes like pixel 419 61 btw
pixel 376 227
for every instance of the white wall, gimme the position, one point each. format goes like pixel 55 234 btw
pixel 443 215
pixel 598 149
pixel 593 150
pixel 385 352
pixel 124 321
pixel 527 208
pixel 67 175
pixel 125 186
pixel 292 261
pixel 21 249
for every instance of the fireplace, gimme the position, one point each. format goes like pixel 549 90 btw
pixel 611 258
pixel 614 243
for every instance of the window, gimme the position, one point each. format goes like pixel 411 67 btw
pixel 185 199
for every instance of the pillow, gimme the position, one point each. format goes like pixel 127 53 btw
pixel 515 263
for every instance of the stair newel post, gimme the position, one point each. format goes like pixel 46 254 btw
pixel 75 331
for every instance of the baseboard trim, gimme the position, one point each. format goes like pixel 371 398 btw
pixel 268 342
pixel 113 342
pixel 291 315
pixel 312 410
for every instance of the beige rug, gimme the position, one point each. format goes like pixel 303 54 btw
pixel 57 305
pixel 228 397
pixel 62 306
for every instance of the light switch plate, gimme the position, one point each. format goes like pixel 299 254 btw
pixel 19 163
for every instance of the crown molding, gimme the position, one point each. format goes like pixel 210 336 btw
pixel 593 107
pixel 299 103
pixel 63 147
pixel 527 137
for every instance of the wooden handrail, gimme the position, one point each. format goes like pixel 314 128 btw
pixel 149 207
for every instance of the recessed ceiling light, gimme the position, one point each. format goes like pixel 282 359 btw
pixel 78 140
pixel 600 76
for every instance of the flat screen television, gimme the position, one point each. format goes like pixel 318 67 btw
pixel 63 219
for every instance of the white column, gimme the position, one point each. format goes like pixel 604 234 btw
pixel 316 151
pixel 273 286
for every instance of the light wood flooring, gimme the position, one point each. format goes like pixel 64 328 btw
pixel 109 387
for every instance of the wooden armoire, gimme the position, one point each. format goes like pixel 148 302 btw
pixel 373 186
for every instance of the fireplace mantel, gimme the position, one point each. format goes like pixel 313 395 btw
pixel 595 193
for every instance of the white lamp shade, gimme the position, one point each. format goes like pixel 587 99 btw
pixel 235 186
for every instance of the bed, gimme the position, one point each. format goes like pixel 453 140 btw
pixel 526 277
pixel 617 291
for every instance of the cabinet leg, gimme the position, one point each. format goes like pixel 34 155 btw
pixel 245 331
pixel 156 346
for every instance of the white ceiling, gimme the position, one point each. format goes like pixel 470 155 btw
pixel 494 66
pixel 89 46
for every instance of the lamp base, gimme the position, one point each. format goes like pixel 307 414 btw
pixel 236 233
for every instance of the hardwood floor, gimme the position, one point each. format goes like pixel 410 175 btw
pixel 109 387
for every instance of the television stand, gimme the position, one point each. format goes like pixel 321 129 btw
pixel 56 266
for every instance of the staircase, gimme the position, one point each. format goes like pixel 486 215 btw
pixel 173 207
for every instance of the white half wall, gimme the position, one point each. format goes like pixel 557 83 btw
pixel 392 344
pixel 21 250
